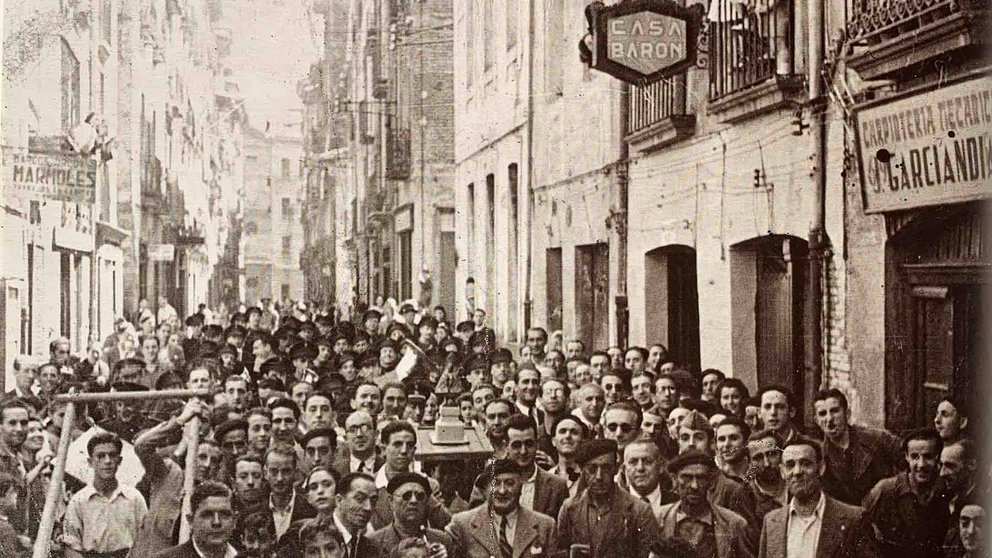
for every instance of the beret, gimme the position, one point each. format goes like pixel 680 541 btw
pixel 477 361
pixel 166 379
pixel 304 351
pixel 696 421
pixel 403 478
pixel 213 330
pixel 227 349
pixel 194 320
pixel 387 343
pixel 690 457
pixel 407 308
pixel 591 449
pixel 323 341
pixel 236 331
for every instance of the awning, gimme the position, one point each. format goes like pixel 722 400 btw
pixel 110 234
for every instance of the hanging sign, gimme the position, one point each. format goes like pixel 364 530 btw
pixel 161 252
pixel 930 148
pixel 643 41
pixel 50 176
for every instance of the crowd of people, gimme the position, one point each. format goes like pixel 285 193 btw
pixel 308 448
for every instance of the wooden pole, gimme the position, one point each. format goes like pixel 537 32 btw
pixel 192 436
pixel 132 395
pixel 44 539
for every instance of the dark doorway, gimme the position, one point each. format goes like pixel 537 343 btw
pixel 768 279
pixel 671 300
pixel 592 294
pixel 936 336
pixel 553 285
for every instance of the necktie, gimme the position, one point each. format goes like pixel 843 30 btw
pixel 645 500
pixel 361 466
pixel 354 547
pixel 505 548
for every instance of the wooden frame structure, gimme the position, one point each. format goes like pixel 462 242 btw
pixel 43 541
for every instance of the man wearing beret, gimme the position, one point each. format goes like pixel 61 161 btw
pixel 194 326
pixel 710 530
pixel 603 520
pixel 409 494
pixel 502 528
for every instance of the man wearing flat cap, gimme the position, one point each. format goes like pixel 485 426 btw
pixel 409 494
pixel 710 530
pixel 604 520
pixel 502 528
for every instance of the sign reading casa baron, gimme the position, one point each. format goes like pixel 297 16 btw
pixel 643 41
pixel 929 149
pixel 51 176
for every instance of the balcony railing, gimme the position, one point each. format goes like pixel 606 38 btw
pixel 398 154
pixel 750 43
pixel 891 35
pixel 656 102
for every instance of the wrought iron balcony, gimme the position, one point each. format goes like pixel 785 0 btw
pixel 750 43
pixel 398 154
pixel 657 114
pixel 887 36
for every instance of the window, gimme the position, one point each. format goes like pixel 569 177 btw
pixel 470 225
pixel 287 208
pixel 285 168
pixel 469 42
pixel 511 24
pixel 251 227
pixel 655 102
pixel 284 291
pixel 748 46
pixel 406 264
pixel 287 247
pixel 70 88
pixel 106 21
pixel 489 44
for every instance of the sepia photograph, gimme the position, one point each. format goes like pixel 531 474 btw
pixel 495 278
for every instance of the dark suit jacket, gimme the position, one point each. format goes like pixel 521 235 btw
pixel 843 533
pixel 184 550
pixel 871 456
pixel 475 535
pixel 550 492
pixel 342 463
pixel 729 528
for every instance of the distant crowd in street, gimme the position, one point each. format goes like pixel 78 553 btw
pixel 310 446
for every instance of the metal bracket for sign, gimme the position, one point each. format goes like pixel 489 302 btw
pixel 692 17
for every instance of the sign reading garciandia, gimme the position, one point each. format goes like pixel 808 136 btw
pixel 932 148
pixel 51 176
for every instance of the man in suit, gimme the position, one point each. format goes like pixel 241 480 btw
pixel 211 524
pixel 502 528
pixel 359 453
pixel 353 505
pixel 408 497
pixel 693 521
pixel 541 491
pixel 399 444
pixel 813 524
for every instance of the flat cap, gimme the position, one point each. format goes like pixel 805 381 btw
pixel 403 478
pixel 591 449
pixel 690 457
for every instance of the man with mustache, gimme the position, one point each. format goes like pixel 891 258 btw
pixel 813 524
pixel 409 494
pixel 856 457
pixel 502 527
pixel 103 518
pixel 605 521
pixel 709 529
pixel 764 449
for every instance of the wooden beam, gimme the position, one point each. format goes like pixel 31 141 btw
pixel 44 538
pixel 132 395
pixel 192 435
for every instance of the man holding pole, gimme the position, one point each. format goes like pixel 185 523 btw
pixel 102 519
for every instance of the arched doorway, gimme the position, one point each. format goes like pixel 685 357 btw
pixel 671 302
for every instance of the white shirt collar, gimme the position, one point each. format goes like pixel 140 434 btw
pixel 345 533
pixel 654 496
pixel 369 463
pixel 380 476
pixel 289 506
pixel 817 511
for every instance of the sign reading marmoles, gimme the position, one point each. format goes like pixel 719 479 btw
pixel 643 41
